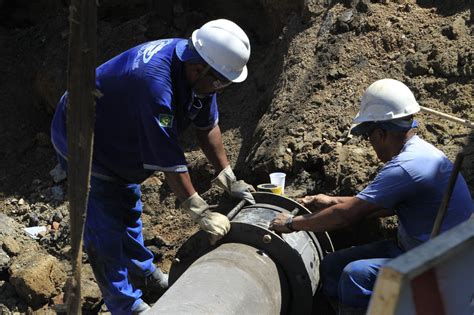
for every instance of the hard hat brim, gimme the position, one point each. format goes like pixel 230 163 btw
pixel 361 128
pixel 389 125
pixel 358 119
pixel 239 77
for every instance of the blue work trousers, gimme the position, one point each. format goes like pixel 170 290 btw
pixel 113 241
pixel 349 275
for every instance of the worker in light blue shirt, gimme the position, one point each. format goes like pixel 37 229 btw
pixel 149 94
pixel 411 185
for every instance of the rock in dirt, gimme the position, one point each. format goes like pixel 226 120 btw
pixel 6 225
pixel 343 22
pixel 363 6
pixel 36 277
pixel 4 263
pixel 4 310
pixel 416 64
pixel 445 63
pixel 32 219
pixel 11 246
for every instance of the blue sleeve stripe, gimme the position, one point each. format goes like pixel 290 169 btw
pixel 176 168
pixel 57 150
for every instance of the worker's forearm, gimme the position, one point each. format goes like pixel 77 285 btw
pixel 210 142
pixel 340 199
pixel 332 218
pixel 180 184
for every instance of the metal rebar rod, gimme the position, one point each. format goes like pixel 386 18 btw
pixel 447 196
pixel 236 209
pixel 461 121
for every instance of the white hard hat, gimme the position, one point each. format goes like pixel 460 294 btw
pixel 225 47
pixel 386 99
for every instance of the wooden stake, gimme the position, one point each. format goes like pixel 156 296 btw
pixel 80 129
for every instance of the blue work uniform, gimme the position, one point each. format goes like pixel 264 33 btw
pixel 145 103
pixel 412 184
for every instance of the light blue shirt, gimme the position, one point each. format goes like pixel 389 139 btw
pixel 413 184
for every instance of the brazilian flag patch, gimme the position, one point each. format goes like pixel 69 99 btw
pixel 165 120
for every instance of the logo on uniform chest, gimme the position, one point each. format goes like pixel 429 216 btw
pixel 148 51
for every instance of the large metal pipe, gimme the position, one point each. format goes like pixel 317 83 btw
pixel 233 278
pixel 252 270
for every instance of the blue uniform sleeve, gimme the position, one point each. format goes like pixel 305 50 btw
pixel 208 116
pixel 391 185
pixel 58 127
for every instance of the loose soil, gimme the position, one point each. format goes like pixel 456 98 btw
pixel 310 62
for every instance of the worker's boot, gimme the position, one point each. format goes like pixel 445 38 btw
pixel 157 280
pixel 141 309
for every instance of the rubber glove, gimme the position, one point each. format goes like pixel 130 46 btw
pixel 235 188
pixel 216 224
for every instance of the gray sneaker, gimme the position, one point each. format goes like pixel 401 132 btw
pixel 157 279
pixel 141 309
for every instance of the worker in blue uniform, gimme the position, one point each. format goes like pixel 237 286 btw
pixel 148 96
pixel 411 185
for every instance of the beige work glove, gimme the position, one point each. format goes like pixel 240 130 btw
pixel 235 188
pixel 216 224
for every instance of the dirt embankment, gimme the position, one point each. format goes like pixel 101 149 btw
pixel 310 62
